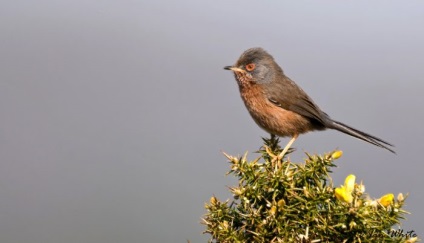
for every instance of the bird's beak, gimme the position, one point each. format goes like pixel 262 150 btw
pixel 235 69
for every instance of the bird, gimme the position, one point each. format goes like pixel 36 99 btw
pixel 279 106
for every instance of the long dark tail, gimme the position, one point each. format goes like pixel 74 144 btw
pixel 358 134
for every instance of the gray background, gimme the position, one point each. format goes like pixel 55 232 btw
pixel 114 113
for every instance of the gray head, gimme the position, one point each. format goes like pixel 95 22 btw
pixel 255 65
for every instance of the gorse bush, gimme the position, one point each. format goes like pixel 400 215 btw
pixel 280 201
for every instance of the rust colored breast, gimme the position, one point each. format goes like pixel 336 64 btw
pixel 270 117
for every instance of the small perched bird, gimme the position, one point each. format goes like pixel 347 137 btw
pixel 281 107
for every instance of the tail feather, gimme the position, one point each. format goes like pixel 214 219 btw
pixel 361 135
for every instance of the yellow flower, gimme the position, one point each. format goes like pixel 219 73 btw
pixel 350 182
pixel 387 199
pixel 336 154
pixel 411 240
pixel 344 193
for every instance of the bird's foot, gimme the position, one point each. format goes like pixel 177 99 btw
pixel 281 155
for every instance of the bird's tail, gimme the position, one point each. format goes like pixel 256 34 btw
pixel 361 135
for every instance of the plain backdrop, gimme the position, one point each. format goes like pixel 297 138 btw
pixel 114 114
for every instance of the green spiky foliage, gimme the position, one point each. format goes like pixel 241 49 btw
pixel 280 201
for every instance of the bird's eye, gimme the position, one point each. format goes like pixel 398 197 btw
pixel 250 67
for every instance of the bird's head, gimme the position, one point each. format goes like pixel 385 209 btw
pixel 255 65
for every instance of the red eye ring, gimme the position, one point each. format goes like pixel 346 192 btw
pixel 250 67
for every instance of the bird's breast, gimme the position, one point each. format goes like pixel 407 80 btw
pixel 273 119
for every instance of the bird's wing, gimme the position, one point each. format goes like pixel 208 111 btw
pixel 289 96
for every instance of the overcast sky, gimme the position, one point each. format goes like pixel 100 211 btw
pixel 114 113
